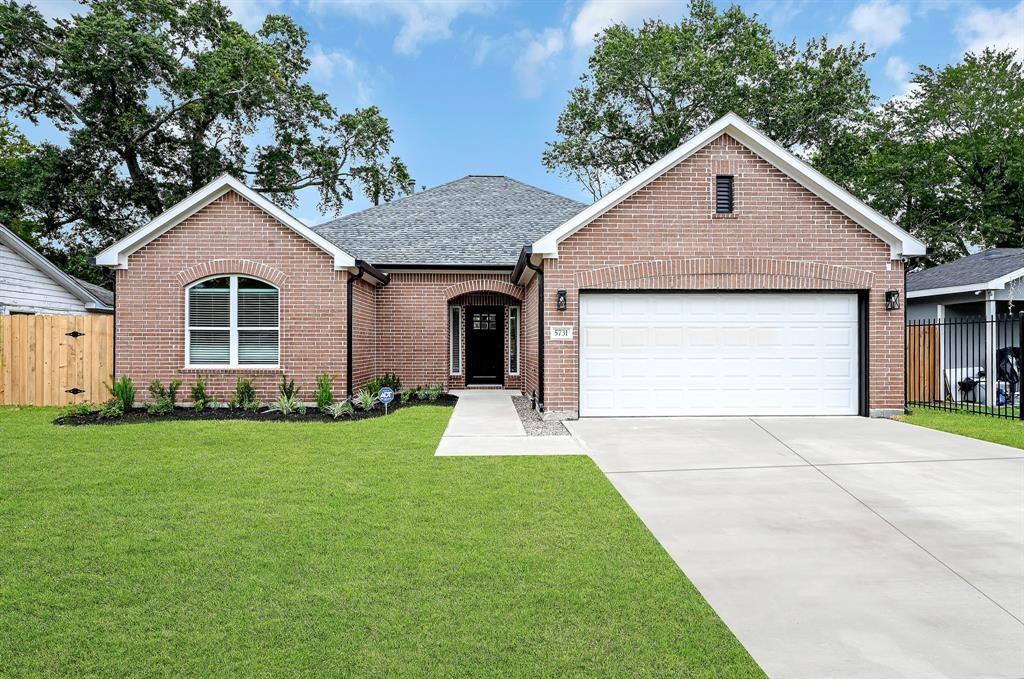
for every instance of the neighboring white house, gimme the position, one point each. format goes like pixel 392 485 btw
pixel 975 305
pixel 31 284
pixel 979 285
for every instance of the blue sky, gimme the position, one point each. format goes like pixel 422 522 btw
pixel 475 86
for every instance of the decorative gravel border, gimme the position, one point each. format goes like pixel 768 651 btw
pixel 532 422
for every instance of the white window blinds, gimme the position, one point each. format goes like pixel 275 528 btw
pixel 232 320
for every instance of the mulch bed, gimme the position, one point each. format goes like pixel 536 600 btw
pixel 311 414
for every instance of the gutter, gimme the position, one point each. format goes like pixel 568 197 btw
pixel 524 260
pixel 363 270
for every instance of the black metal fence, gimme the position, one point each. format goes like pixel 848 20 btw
pixel 966 365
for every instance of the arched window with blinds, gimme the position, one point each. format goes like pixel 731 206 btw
pixel 232 321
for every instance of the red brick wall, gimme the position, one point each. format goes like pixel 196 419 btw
pixel 364 334
pixel 230 236
pixel 413 308
pixel 780 236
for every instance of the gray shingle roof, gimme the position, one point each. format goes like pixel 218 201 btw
pixel 980 267
pixel 476 220
pixel 104 295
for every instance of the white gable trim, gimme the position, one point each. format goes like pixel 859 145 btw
pixel 117 254
pixel 900 242
pixel 30 255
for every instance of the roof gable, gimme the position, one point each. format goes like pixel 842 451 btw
pixel 117 254
pixel 92 296
pixel 901 243
pixel 478 220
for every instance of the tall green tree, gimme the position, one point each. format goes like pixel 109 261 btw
pixel 158 97
pixel 648 90
pixel 946 160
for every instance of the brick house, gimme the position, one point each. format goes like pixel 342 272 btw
pixel 729 278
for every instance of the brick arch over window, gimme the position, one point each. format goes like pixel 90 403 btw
pixel 232 266
pixel 483 285
pixel 722 273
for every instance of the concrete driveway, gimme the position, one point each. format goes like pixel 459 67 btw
pixel 836 547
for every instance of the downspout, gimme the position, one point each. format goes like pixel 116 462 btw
pixel 352 278
pixel 540 329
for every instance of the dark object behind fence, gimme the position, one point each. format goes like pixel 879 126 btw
pixel 951 364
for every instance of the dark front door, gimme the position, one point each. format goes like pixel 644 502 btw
pixel 485 346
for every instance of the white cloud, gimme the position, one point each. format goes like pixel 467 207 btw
pixel 1002 29
pixel 533 62
pixel 878 23
pixel 325 66
pixel 421 21
pixel 897 69
pixel 596 15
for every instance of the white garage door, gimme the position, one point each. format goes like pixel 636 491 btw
pixel 718 354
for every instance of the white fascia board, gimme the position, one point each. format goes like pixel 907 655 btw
pixel 994 284
pixel 117 254
pixel 900 242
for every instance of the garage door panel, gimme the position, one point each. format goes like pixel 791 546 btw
pixel 718 354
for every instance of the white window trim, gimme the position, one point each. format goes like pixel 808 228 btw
pixel 455 338
pixel 519 337
pixel 232 328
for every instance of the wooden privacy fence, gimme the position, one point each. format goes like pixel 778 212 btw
pixel 922 363
pixel 55 360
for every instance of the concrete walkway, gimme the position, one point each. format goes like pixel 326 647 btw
pixel 485 422
pixel 836 547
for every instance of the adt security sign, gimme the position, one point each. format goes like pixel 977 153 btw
pixel 386 396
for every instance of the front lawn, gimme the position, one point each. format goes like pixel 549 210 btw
pixel 212 548
pixel 994 429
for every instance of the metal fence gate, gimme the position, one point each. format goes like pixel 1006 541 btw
pixel 966 364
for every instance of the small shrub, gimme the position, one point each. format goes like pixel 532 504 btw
pixel 163 399
pixel 287 405
pixel 78 409
pixel 287 387
pixel 422 393
pixel 111 409
pixel 434 392
pixel 124 391
pixel 340 409
pixel 324 392
pixel 386 380
pixel 406 395
pixel 200 398
pixel 366 399
pixel 245 395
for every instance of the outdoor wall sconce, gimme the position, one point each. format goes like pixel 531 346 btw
pixel 892 300
pixel 562 300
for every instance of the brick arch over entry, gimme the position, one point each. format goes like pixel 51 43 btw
pixel 216 267
pixel 725 273
pixel 483 285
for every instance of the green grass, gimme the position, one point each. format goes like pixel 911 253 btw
pixel 994 429
pixel 217 548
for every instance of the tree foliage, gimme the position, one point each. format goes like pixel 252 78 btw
pixel 648 90
pixel 158 97
pixel 946 160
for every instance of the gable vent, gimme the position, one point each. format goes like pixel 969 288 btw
pixel 723 194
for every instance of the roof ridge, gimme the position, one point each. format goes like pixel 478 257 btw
pixel 539 188
pixel 395 201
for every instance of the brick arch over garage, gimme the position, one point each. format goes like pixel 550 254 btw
pixel 725 273
pixel 217 267
pixel 483 285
